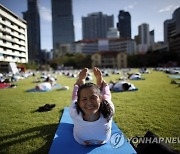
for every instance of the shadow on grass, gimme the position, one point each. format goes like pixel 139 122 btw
pixel 61 111
pixel 125 91
pixel 46 132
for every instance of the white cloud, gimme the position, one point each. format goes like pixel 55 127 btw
pixel 45 13
pixel 131 6
pixel 168 8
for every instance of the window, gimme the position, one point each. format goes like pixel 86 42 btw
pixel 3 19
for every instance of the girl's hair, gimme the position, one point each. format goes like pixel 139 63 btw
pixel 105 107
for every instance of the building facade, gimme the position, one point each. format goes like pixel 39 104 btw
pixel 46 56
pixel 96 25
pixel 62 49
pixel 113 33
pixel 172 31
pixel 62 23
pixel 32 18
pixel 13 38
pixel 124 24
pixel 92 46
pixel 166 23
pixel 110 59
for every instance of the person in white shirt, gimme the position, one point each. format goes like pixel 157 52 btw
pixel 91 110
pixel 50 82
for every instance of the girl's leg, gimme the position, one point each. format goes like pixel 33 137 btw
pixel 99 78
pixel 102 84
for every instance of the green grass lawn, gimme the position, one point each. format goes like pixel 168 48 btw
pixel 155 107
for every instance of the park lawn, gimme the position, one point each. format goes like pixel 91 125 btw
pixel 155 107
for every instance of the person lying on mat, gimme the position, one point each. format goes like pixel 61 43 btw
pixel 121 86
pixel 50 82
pixel 135 76
pixel 91 110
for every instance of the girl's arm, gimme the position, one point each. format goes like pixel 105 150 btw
pixel 106 93
pixel 72 109
pixel 74 93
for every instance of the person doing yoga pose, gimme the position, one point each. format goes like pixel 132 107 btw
pixel 91 110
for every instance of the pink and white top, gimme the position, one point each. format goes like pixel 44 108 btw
pixel 91 133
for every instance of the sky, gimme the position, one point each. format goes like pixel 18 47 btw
pixel 152 12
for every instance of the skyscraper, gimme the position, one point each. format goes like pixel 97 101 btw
pixel 33 30
pixel 124 24
pixel 172 32
pixel 166 23
pixel 96 25
pixel 144 38
pixel 151 35
pixel 143 32
pixel 62 22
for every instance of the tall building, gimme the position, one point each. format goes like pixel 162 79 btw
pixel 96 25
pixel 152 42
pixel 166 23
pixel 172 32
pixel 144 38
pixel 143 31
pixel 33 30
pixel 124 24
pixel 62 22
pixel 151 34
pixel 13 39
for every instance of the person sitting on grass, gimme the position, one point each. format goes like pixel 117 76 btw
pixel 91 110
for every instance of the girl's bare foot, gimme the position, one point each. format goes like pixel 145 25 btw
pixel 98 75
pixel 82 76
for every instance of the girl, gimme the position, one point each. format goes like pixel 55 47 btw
pixel 91 110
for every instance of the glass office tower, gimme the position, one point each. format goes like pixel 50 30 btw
pixel 33 30
pixel 62 22
pixel 96 25
pixel 124 24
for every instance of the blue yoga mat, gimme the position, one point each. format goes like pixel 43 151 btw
pixel 53 88
pixel 64 142
pixel 174 76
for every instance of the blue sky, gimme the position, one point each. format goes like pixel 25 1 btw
pixel 153 12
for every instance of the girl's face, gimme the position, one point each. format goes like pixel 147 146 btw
pixel 89 101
